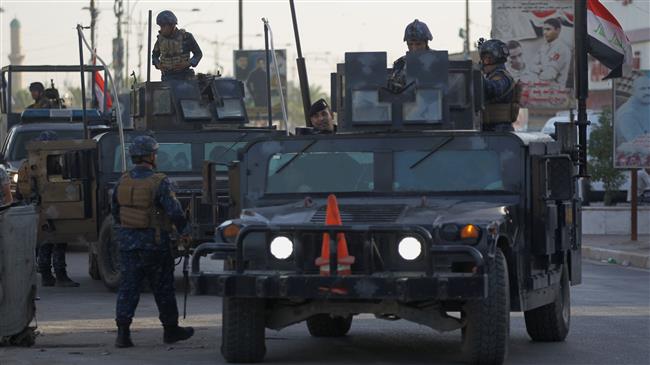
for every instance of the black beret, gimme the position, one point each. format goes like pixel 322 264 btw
pixel 319 105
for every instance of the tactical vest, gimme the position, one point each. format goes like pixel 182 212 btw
pixel 137 199
pixel 171 50
pixel 504 112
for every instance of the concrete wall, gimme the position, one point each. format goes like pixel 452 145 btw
pixel 613 220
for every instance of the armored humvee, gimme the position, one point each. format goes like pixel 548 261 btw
pixel 193 120
pixel 440 224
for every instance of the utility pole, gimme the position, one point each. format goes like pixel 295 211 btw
pixel 467 52
pixel 128 35
pixel 118 46
pixel 241 24
pixel 93 21
pixel 140 44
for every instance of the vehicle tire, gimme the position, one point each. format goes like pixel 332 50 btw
pixel 550 322
pixel 242 337
pixel 93 267
pixel 487 331
pixel 108 259
pixel 324 325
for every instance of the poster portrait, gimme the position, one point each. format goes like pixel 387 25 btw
pixel 632 121
pixel 250 68
pixel 539 35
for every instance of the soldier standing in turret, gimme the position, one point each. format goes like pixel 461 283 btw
pixel 171 53
pixel 37 89
pixel 417 37
pixel 144 207
pixel 502 93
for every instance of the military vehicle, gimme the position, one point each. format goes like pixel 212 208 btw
pixel 19 125
pixel 193 120
pixel 440 224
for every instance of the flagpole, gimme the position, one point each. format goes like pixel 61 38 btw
pixel 582 82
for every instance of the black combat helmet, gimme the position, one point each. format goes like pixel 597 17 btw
pixel 494 47
pixel 36 86
pixel 417 31
pixel 143 146
pixel 166 17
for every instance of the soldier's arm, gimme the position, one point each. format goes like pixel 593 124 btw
pixel 497 86
pixel 195 49
pixel 155 54
pixel 171 205
pixel 115 207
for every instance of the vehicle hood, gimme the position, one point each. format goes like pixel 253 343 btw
pixel 423 211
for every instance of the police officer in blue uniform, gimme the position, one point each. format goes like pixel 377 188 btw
pixel 502 93
pixel 171 53
pixel 417 37
pixel 144 208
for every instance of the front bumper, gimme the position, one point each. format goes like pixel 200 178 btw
pixel 429 285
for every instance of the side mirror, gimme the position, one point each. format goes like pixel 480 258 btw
pixel 77 165
pixel 559 173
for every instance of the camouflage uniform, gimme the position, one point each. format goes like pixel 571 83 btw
pixel 142 256
pixel 501 91
pixel 170 51
pixel 41 103
pixel 415 31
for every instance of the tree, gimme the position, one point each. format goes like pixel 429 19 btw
pixel 294 103
pixel 601 151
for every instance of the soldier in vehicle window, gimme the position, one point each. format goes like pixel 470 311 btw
pixel 502 92
pixel 37 89
pixel 171 53
pixel 320 115
pixel 417 37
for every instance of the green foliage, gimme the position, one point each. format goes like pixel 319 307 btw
pixel 294 103
pixel 601 152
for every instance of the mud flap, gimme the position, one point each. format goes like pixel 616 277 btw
pixel 18 232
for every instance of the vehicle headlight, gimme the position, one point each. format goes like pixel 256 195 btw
pixel 281 247
pixel 409 248
pixel 15 178
pixel 229 231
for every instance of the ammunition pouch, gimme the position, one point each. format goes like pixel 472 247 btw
pixel 501 113
pixel 137 199
pixel 171 50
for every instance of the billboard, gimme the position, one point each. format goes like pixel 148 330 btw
pixel 539 35
pixel 632 121
pixel 250 68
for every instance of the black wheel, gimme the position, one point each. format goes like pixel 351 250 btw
pixel 108 259
pixel 486 333
pixel 93 267
pixel 242 338
pixel 324 325
pixel 550 322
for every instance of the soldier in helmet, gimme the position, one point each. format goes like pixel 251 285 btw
pixel 417 37
pixel 171 53
pixel 502 93
pixel 37 89
pixel 144 208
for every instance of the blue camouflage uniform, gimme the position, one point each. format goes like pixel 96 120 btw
pixel 499 88
pixel 143 257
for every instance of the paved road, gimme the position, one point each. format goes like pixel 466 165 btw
pixel 610 325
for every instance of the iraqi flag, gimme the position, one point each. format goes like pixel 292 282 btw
pixel 606 40
pixel 100 92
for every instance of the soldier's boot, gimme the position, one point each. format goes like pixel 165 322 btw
pixel 47 279
pixel 177 333
pixel 63 280
pixel 123 339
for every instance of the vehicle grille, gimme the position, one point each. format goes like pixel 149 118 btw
pixel 363 213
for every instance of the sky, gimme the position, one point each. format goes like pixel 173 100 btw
pixel 327 29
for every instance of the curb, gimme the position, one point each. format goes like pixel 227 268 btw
pixel 621 257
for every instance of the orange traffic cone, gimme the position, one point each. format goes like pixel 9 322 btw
pixel 344 260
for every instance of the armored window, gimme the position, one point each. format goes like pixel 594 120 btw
pixel 54 166
pixel 457 94
pixel 162 102
pixel 232 108
pixel 448 170
pixel 194 111
pixel 366 107
pixel 426 108
pixel 171 157
pixel 320 172
pixel 222 152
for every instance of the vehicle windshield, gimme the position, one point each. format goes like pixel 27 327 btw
pixel 447 170
pixel 178 157
pixel 17 150
pixel 406 165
